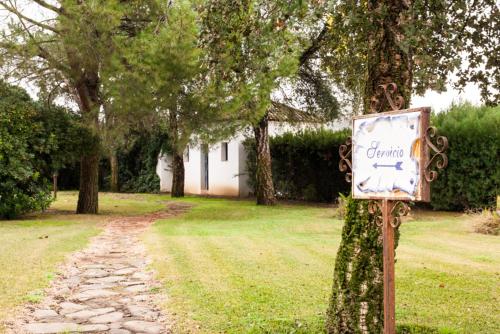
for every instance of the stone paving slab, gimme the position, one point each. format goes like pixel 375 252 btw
pixel 106 288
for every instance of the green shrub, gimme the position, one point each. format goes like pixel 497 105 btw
pixel 138 164
pixel 305 165
pixel 472 177
pixel 22 189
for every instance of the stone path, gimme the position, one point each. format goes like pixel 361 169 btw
pixel 105 288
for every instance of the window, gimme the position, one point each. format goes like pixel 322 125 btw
pixel 223 149
pixel 186 154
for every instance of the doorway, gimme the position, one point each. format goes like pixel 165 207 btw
pixel 204 167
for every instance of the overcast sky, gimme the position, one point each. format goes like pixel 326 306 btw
pixel 441 101
pixel 437 101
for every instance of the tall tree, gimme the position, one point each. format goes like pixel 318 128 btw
pixel 417 45
pixel 64 45
pixel 253 50
pixel 163 74
pixel 66 48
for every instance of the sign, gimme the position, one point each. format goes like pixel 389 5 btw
pixel 389 155
pixel 389 165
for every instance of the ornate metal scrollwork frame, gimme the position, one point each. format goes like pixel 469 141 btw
pixel 439 159
pixel 375 209
pixel 345 152
pixel 399 209
pixel 390 92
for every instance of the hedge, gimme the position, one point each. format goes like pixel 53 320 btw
pixel 305 165
pixel 472 178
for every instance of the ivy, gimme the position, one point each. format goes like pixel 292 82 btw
pixel 356 304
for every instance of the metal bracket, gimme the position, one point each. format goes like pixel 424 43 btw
pixel 345 152
pixel 389 91
pixel 398 210
pixel 439 160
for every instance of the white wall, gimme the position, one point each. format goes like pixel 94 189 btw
pixel 164 172
pixel 223 175
pixel 226 178
pixel 192 169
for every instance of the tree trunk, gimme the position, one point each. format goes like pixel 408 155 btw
pixel 113 162
pixel 177 175
pixel 356 305
pixel 264 188
pixel 389 60
pixel 54 183
pixel 89 183
pixel 87 89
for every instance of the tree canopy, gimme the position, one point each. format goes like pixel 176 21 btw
pixel 36 139
pixel 447 41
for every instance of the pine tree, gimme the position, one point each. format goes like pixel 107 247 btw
pixel 64 48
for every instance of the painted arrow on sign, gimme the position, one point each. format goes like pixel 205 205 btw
pixel 397 166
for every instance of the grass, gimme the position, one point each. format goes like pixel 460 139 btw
pixel 31 248
pixel 232 267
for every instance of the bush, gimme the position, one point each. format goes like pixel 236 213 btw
pixel 472 177
pixel 305 165
pixel 138 164
pixel 22 189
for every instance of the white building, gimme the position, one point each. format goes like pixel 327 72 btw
pixel 220 169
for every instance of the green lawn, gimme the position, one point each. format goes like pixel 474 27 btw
pixel 232 267
pixel 31 248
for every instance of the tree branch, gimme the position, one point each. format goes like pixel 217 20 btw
pixel 43 52
pixel 24 17
pixel 44 4
pixel 314 47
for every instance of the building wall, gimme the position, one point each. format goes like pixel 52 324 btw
pixel 226 178
pixel 192 168
pixel 164 172
pixel 223 176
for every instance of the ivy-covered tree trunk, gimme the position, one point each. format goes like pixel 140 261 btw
pixel 89 184
pixel 264 188
pixel 113 162
pixel 177 175
pixel 356 305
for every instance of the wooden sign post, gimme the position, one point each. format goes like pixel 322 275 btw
pixel 388 161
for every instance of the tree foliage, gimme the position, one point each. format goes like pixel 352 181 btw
pixel 446 41
pixel 35 140
pixel 417 45
pixel 254 52
pixel 162 74
pixel 66 49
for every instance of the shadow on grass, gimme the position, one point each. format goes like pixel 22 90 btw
pixel 285 326
pixel 418 329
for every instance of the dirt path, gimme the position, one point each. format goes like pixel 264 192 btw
pixel 105 288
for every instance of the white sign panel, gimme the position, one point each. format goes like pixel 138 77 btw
pixel 386 155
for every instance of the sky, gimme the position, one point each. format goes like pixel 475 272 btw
pixel 437 101
pixel 441 101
